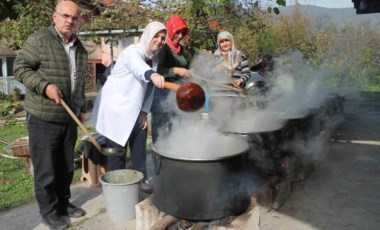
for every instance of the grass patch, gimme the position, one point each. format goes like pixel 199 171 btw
pixel 16 185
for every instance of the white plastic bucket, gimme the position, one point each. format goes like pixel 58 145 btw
pixel 121 189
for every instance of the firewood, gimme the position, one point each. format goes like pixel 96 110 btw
pixel 163 223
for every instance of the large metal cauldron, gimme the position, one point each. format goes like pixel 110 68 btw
pixel 266 143
pixel 218 99
pixel 301 126
pixel 203 187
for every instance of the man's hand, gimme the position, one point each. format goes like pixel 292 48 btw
pixel 158 80
pixel 53 93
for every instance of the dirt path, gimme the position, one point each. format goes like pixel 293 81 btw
pixel 343 192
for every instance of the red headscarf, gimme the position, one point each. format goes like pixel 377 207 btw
pixel 174 24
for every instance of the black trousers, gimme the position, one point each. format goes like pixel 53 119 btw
pixel 51 146
pixel 137 145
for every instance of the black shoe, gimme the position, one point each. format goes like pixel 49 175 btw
pixel 71 211
pixel 54 221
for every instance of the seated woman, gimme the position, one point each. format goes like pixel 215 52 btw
pixel 231 60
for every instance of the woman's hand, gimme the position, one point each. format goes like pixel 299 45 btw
pixel 143 121
pixel 183 72
pixel 158 80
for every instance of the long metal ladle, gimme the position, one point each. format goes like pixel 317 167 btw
pixel 218 83
pixel 104 151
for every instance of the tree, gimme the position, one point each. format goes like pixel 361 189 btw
pixel 33 15
pixel 205 18
pixel 242 18
pixel 7 9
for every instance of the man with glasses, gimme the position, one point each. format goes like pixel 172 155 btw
pixel 52 65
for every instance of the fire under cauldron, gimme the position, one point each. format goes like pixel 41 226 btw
pixel 203 186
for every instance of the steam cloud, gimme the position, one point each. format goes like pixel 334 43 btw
pixel 296 90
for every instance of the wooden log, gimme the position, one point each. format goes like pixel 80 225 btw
pixel 148 217
pixel 164 223
pixel 249 220
pixel 146 214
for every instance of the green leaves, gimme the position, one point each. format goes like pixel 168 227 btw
pixel 31 16
pixel 281 2
pixel 276 10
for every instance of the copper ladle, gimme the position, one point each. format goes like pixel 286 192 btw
pixel 190 96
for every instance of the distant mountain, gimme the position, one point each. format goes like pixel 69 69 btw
pixel 323 17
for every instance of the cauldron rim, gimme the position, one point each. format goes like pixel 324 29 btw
pixel 281 125
pixel 253 132
pixel 244 149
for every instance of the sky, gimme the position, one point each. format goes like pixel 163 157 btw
pixel 322 3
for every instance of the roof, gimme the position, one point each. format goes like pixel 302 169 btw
pixel 5 51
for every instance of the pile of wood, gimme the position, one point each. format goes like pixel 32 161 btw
pixel 149 217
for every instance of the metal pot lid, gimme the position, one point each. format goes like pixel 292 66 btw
pixel 207 150
pixel 254 79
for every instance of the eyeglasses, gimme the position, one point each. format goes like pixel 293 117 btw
pixel 66 17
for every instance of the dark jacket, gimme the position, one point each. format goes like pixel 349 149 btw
pixel 167 59
pixel 43 61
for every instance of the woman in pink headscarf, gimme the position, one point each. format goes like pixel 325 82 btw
pixel 173 64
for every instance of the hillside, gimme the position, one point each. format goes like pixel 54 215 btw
pixel 323 17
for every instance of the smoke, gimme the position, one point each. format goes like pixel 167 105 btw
pixel 295 90
pixel 298 87
pixel 232 123
pixel 192 139
pixel 300 92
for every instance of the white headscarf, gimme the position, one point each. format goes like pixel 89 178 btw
pixel 229 59
pixel 148 34
pixel 225 35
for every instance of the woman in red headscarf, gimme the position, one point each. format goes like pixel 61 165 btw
pixel 173 64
